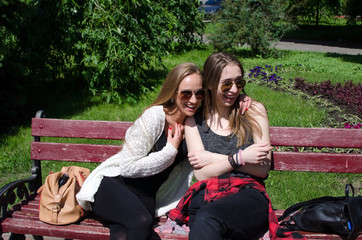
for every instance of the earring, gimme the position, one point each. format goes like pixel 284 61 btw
pixel 172 100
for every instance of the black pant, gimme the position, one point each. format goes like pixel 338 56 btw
pixel 127 215
pixel 243 215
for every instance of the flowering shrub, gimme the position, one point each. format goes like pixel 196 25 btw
pixel 267 73
pixel 348 125
pixel 349 95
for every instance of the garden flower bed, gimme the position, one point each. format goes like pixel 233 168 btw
pixel 344 100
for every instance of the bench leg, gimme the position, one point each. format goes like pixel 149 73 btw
pixel 14 236
pixel 38 237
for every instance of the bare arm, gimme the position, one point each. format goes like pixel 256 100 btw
pixel 206 164
pixel 257 157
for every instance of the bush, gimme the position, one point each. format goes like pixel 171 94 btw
pixel 106 47
pixel 348 95
pixel 37 51
pixel 121 39
pixel 353 11
pixel 256 23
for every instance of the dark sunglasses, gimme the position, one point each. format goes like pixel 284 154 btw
pixel 185 95
pixel 227 85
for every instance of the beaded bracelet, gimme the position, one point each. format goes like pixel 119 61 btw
pixel 241 157
pixel 237 159
pixel 232 161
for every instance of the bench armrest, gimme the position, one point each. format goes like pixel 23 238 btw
pixel 17 190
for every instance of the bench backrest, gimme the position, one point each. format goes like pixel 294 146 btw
pixel 284 158
pixel 347 157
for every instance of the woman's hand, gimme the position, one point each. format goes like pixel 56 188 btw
pixel 256 153
pixel 244 103
pixel 175 134
pixel 199 159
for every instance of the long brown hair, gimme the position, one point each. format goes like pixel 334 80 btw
pixel 173 80
pixel 240 125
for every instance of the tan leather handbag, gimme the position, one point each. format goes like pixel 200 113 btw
pixel 58 204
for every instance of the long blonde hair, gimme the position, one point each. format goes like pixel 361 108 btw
pixel 173 80
pixel 170 86
pixel 240 125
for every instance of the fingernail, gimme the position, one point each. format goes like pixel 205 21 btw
pixel 170 127
pixel 246 109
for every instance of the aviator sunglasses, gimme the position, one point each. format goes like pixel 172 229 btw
pixel 227 85
pixel 185 95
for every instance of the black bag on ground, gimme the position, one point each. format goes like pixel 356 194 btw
pixel 335 215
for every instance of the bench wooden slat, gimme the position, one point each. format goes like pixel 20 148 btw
pixel 47 127
pixel 317 162
pixel 316 137
pixel 72 152
pixel 73 231
pixel 34 216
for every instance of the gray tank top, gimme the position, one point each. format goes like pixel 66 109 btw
pixel 218 143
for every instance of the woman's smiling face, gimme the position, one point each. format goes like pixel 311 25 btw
pixel 231 73
pixel 191 83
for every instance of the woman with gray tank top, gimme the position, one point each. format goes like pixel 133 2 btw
pixel 231 156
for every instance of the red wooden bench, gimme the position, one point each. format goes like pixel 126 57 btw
pixel 22 218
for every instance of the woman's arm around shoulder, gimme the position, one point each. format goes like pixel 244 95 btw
pixel 257 157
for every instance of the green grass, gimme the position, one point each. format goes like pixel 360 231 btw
pixel 284 109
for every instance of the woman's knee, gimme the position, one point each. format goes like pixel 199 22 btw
pixel 141 228
pixel 143 221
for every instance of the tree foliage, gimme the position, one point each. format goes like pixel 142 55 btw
pixel 312 11
pixel 102 46
pixel 353 11
pixel 120 40
pixel 256 23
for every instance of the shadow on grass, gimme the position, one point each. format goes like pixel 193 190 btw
pixel 59 101
pixel 347 58
pixel 351 34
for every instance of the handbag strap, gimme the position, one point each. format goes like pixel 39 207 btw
pixel 346 190
pixel 297 206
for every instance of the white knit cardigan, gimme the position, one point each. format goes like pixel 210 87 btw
pixel 135 160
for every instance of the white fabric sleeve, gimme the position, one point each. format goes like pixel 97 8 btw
pixel 135 157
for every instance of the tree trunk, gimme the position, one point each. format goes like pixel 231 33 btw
pixel 317 17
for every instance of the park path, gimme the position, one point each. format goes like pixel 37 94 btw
pixel 350 48
pixel 339 47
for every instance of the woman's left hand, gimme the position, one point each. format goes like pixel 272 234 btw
pixel 175 135
pixel 244 103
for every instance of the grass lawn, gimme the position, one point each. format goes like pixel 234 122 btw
pixel 285 109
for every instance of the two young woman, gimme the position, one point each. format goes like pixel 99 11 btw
pixel 230 155
pixel 151 172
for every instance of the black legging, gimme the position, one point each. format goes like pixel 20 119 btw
pixel 126 215
pixel 243 215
